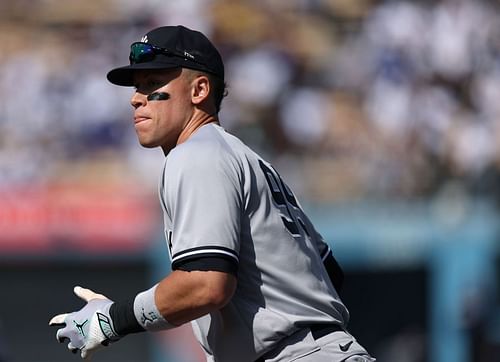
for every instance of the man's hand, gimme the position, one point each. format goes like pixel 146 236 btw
pixel 88 329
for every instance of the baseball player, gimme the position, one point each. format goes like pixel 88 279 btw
pixel 249 271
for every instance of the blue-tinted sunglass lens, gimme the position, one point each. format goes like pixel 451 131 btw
pixel 140 53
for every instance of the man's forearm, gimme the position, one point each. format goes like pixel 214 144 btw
pixel 184 296
pixel 179 298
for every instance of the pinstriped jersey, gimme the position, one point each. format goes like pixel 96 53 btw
pixel 227 209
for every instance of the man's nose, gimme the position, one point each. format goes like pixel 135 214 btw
pixel 138 100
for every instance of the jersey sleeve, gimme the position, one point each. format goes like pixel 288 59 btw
pixel 203 195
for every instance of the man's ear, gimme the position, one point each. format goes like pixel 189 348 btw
pixel 200 89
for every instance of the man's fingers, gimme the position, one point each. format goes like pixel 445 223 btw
pixel 86 354
pixel 87 294
pixel 58 319
pixel 61 335
pixel 72 348
pixel 63 339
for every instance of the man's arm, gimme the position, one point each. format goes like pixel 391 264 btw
pixel 333 269
pixel 183 296
pixel 331 265
pixel 179 298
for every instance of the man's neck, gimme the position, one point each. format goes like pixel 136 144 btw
pixel 194 124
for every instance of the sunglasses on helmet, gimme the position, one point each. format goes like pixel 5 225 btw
pixel 144 52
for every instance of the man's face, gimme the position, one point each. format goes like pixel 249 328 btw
pixel 158 123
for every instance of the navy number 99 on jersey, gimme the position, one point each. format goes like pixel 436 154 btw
pixel 285 200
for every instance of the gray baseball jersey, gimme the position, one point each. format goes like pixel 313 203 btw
pixel 227 209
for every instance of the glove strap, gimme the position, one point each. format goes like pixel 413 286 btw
pixel 107 327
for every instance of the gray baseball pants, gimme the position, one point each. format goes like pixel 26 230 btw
pixel 301 346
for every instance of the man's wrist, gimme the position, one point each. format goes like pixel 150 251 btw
pixel 123 317
pixel 137 314
pixel 147 313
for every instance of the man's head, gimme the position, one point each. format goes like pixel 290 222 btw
pixel 180 67
pixel 169 47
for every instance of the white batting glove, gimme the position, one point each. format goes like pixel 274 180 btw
pixel 88 329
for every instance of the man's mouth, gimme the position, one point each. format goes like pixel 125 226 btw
pixel 139 119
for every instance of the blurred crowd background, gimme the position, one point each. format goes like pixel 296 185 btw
pixel 352 100
pixel 385 98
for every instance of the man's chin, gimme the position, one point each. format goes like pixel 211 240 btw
pixel 148 144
